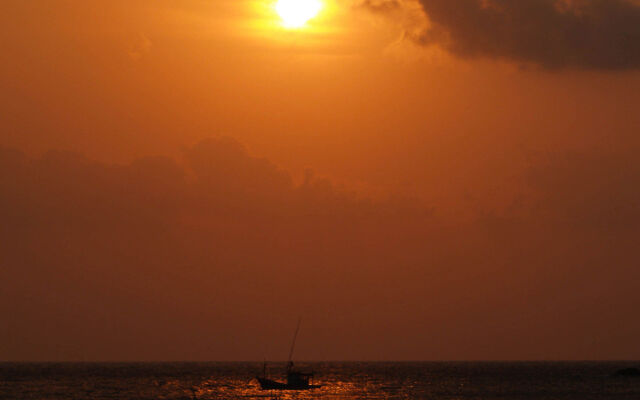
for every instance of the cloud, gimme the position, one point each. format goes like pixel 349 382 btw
pixel 154 258
pixel 87 246
pixel 583 34
pixel 380 6
pixel 589 192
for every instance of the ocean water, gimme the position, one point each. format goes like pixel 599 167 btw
pixel 429 380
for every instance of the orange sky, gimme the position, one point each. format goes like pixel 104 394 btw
pixel 419 179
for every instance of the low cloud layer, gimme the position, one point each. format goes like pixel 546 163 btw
pixel 583 34
pixel 188 259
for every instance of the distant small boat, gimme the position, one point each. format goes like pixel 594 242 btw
pixel 296 380
pixel 628 373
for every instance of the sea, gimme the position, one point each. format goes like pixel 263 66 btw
pixel 339 380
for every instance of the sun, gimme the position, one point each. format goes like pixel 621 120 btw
pixel 296 13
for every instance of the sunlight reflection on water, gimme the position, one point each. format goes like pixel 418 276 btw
pixel 341 381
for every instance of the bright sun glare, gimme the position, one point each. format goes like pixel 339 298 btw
pixel 296 13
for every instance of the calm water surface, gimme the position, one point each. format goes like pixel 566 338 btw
pixel 450 381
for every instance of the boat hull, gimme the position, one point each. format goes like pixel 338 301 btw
pixel 268 384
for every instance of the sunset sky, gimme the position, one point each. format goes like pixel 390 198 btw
pixel 417 179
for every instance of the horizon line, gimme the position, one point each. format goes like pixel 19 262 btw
pixel 312 361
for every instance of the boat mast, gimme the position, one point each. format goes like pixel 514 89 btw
pixel 293 344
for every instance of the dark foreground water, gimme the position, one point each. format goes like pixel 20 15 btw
pixel 451 381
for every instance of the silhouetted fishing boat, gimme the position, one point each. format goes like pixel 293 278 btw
pixel 296 380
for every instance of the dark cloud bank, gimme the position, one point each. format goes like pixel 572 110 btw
pixel 586 34
pixel 214 256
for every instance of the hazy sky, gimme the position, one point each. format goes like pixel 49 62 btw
pixel 418 179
